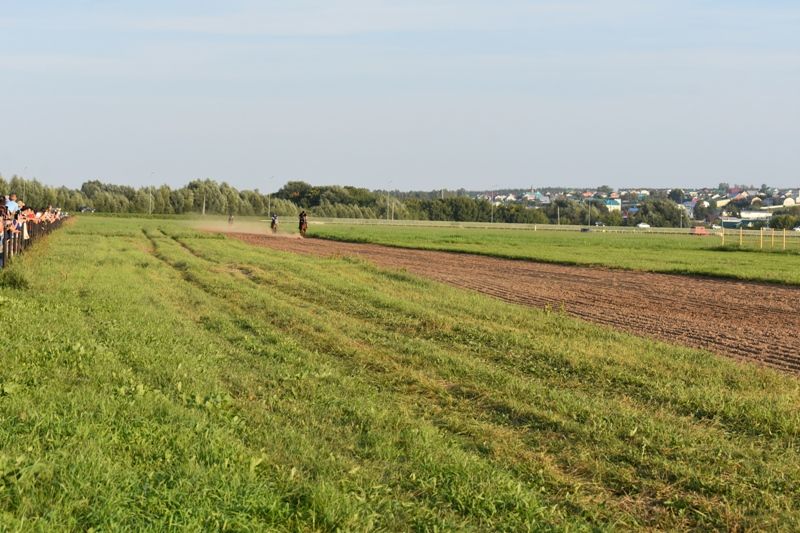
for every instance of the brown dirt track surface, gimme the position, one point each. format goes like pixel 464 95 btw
pixel 745 320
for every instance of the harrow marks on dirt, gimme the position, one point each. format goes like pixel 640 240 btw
pixel 746 320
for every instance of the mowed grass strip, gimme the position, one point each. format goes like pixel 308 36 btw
pixel 650 252
pixel 174 379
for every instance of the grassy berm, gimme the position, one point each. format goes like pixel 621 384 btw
pixel 157 378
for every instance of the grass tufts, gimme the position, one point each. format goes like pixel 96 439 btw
pixel 13 278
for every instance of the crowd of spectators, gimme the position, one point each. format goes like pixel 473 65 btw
pixel 21 222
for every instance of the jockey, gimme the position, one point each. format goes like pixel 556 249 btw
pixel 303 223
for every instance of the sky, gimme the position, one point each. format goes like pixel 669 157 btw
pixel 411 94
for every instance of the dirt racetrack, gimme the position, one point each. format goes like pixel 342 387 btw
pixel 746 320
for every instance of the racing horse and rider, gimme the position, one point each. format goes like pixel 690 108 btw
pixel 274 223
pixel 303 223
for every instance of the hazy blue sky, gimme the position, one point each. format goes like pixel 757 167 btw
pixel 410 94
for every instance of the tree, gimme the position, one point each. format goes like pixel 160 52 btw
pixel 284 207
pixel 463 209
pixel 701 211
pixel 299 193
pixel 208 192
pixel 784 221
pixel 612 218
pixel 658 213
pixel 161 200
pixel 677 196
pixel 141 203
pixel 91 188
pixel 231 199
pixel 732 210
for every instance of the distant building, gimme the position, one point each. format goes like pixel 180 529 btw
pixel 731 222
pixel 739 196
pixel 723 202
pixel 755 216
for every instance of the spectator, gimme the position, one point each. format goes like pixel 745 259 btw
pixel 21 224
pixel 11 203
pixel 5 218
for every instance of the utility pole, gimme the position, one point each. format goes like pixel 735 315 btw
pixel 558 214
pixel 204 204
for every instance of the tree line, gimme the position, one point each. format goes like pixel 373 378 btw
pixel 197 196
pixel 211 197
pixel 354 202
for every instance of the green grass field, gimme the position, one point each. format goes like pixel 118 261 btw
pixel 681 254
pixel 155 377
